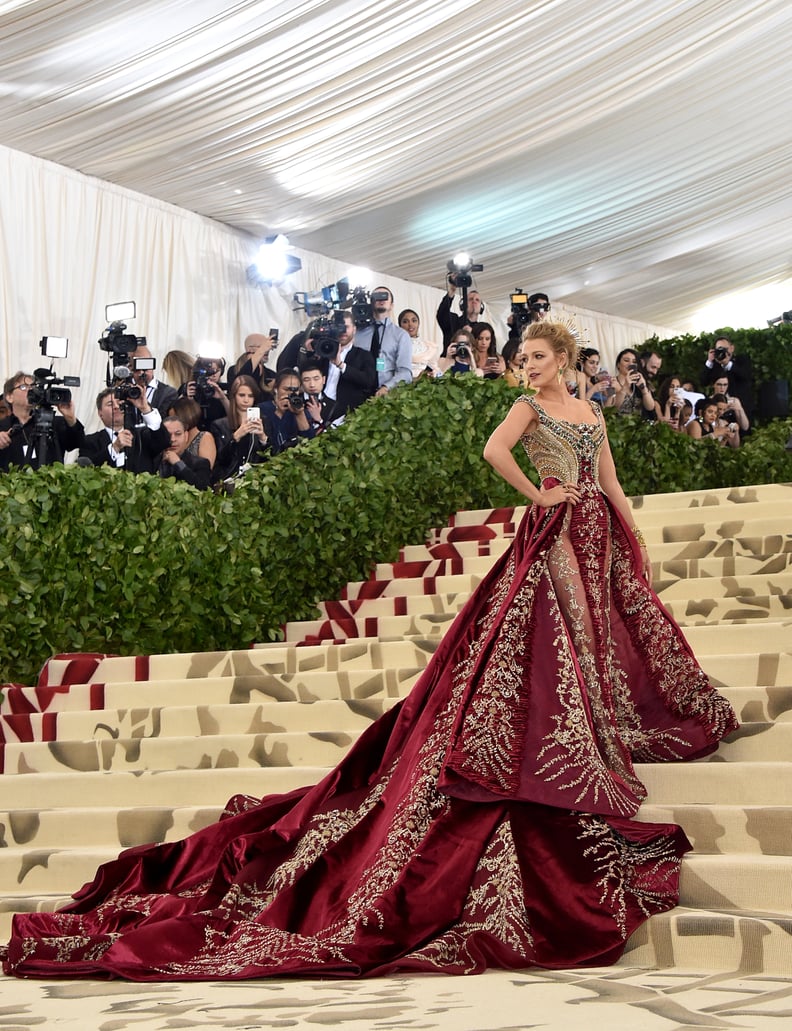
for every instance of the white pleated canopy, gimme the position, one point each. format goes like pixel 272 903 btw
pixel 625 156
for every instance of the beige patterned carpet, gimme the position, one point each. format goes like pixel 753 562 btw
pixel 107 753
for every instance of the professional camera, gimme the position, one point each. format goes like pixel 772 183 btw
pixel 324 301
pixel 204 389
pixel 295 399
pixel 785 316
pixel 522 312
pixel 463 353
pixel 48 390
pixel 363 304
pixel 116 341
pixel 118 344
pixel 325 333
pixel 721 354
pixel 45 392
pixel 124 386
pixel 459 269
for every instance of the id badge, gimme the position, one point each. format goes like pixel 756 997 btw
pixel 380 364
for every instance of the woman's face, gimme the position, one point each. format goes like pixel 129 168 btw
pixel 591 365
pixel 721 385
pixel 243 399
pixel 628 359
pixel 541 362
pixel 710 413
pixel 410 323
pixel 483 341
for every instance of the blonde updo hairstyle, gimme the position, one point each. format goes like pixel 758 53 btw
pixel 558 338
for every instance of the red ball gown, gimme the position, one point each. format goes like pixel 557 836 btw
pixel 483 821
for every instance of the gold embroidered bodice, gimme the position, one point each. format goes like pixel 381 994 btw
pixel 569 451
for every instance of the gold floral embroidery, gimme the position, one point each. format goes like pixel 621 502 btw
pixel 641 872
pixel 495 905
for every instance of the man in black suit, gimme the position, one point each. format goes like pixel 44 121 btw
pixel 33 435
pixel 134 449
pixel 721 360
pixel 159 395
pixel 317 404
pixel 351 372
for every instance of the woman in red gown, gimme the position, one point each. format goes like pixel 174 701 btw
pixel 483 821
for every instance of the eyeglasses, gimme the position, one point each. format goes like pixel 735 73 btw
pixel 23 386
pixel 540 307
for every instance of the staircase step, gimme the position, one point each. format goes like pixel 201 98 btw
pixel 755 742
pixel 275 659
pixel 728 829
pixel 207 787
pixel 203 720
pixel 215 752
pixel 717 783
pixel 694 939
pixel 728 611
pixel 58 871
pixel 39 903
pixel 102 825
pixel 751 883
pixel 447 575
pixel 677 528
pixel 133 708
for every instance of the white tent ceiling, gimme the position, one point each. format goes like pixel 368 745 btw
pixel 627 156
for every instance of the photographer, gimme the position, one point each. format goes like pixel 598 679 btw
pixel 390 345
pixel 721 360
pixel 253 362
pixel 448 321
pixel 633 395
pixel 134 450
pixel 460 356
pixel 32 429
pixel 159 395
pixel 204 388
pixel 526 310
pixel 285 419
pixel 351 371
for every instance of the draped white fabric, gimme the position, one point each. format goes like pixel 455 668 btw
pixel 627 157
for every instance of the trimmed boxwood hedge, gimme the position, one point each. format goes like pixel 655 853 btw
pixel 101 561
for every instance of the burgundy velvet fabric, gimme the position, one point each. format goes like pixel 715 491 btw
pixel 483 821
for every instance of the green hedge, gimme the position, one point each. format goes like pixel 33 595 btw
pixel 97 560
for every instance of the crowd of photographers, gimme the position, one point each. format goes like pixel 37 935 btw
pixel 210 424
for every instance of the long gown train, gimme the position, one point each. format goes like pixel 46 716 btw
pixel 485 820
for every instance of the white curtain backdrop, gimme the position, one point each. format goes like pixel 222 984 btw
pixel 70 244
